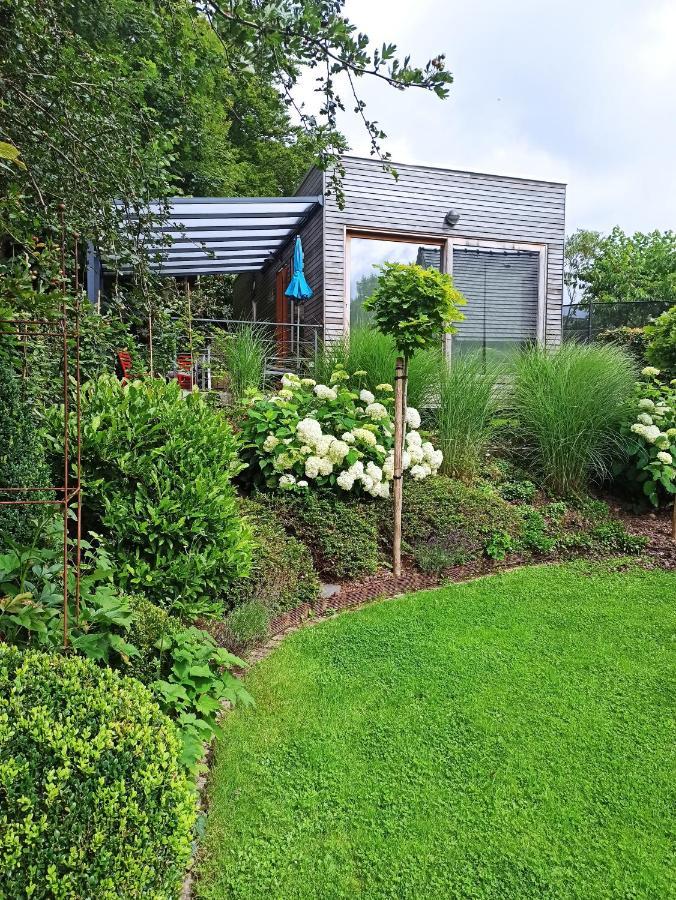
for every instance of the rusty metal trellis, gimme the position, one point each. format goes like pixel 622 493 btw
pixel 69 493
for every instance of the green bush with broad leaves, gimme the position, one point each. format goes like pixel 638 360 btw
pixel 188 674
pixel 661 338
pixel 157 473
pixel 95 802
pixel 414 306
pixel 31 599
pixel 650 436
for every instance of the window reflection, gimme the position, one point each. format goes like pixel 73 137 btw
pixel 366 254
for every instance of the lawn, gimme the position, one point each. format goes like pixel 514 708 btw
pixel 511 737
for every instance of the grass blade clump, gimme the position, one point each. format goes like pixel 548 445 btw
pixel 569 404
pixel 241 356
pixel 468 404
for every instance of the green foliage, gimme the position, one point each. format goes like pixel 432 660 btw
pixel 468 404
pixel 461 522
pixel 520 491
pixel 517 731
pixel 94 801
pixel 619 267
pixel 247 626
pixel 240 357
pixel 661 337
pixel 649 432
pixel 568 405
pixel 633 340
pixel 22 454
pixel 157 469
pixel 342 535
pixel 580 251
pixel 414 306
pixel 281 576
pixel 31 598
pixel 373 355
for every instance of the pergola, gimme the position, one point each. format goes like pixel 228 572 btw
pixel 211 235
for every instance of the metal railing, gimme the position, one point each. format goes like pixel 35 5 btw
pixel 586 321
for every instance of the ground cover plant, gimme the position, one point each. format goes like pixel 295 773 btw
pixel 515 740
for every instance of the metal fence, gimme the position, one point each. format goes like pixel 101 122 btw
pixel 586 321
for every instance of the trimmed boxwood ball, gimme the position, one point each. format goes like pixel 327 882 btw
pixel 93 802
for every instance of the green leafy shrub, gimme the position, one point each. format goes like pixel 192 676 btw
pixel 282 576
pixel 94 801
pixel 461 522
pixel 189 675
pixel 633 340
pixel 661 335
pixel 569 404
pixel 158 472
pixel 22 456
pixel 331 438
pixel 341 535
pixel 649 432
pixel 519 491
pixel 246 627
pixel 468 404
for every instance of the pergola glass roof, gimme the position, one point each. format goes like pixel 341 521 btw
pixel 210 235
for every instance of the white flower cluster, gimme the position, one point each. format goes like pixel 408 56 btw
pixel 654 424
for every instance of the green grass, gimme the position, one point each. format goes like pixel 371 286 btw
pixel 506 738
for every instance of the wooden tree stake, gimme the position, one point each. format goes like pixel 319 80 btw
pixel 399 414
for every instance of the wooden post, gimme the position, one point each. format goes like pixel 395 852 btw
pixel 399 413
pixel 673 522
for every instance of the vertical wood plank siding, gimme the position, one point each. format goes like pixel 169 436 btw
pixel 492 208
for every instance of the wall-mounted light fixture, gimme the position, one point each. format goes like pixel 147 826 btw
pixel 452 218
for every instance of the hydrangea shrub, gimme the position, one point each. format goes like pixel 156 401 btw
pixel 651 437
pixel 331 437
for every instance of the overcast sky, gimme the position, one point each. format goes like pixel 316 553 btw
pixel 582 91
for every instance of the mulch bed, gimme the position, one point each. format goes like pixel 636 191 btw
pixel 656 526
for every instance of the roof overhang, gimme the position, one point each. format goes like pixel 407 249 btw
pixel 214 235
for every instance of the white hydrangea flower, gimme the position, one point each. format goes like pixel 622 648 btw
pixel 345 480
pixel 309 431
pixel 366 396
pixel 284 461
pixel 671 432
pixel 270 443
pixel 412 417
pixel 651 433
pixel 302 483
pixel 374 471
pixel 348 437
pixel 287 481
pixel 380 449
pixel 406 460
pixel 290 381
pixel 413 437
pixel 356 469
pixel 338 451
pixel 305 450
pixel 646 403
pixel 416 454
pixel 662 410
pixel 322 444
pixel 339 375
pixel 325 466
pixel 418 473
pixel 325 393
pixel 285 394
pixel 366 436
pixel 665 458
pixel 308 382
pixel 383 489
pixel 662 441
pixel 312 466
pixel 645 419
pixel 650 372
pixel 367 483
pixel 436 460
pixel 384 387
pixel 376 411
pixel 388 468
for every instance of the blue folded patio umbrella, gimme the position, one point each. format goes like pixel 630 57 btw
pixel 298 286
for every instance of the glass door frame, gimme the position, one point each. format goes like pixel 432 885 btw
pixel 447 243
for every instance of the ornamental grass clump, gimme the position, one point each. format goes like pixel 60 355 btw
pixel 331 437
pixel 569 404
pixel 240 356
pixel 468 405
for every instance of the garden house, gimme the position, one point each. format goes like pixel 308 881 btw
pixel 501 238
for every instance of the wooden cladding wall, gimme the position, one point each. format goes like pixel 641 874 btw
pixel 491 208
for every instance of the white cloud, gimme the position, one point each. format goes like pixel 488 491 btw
pixel 581 92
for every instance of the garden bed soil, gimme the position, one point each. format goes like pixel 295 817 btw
pixel 656 526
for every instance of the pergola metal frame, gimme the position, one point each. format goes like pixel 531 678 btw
pixel 211 236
